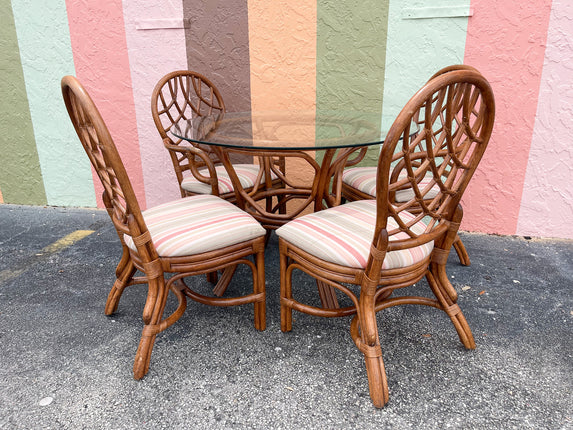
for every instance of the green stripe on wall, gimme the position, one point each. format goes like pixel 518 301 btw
pixel 20 176
pixel 46 53
pixel 351 57
pixel 417 48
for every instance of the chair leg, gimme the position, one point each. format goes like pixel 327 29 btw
pixel 259 287
pixel 461 251
pixel 212 277
pixel 224 281
pixel 437 278
pixel 377 382
pixel 368 342
pixel 286 290
pixel 327 295
pixel 150 329
pixel 143 355
pixel 124 274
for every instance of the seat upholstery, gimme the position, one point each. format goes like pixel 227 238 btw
pixel 170 243
pixel 247 174
pixel 343 235
pixel 197 224
pixel 364 180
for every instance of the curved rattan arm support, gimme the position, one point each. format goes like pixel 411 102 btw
pixel 190 152
pixel 397 245
pixel 358 158
pixel 337 169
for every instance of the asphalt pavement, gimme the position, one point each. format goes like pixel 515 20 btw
pixel 65 365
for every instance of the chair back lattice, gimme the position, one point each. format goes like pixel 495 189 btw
pixel 179 96
pixel 183 95
pixel 454 113
pixel 118 194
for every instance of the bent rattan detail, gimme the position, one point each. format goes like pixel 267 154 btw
pixel 182 95
pixel 351 192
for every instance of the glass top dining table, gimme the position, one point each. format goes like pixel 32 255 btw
pixel 308 150
pixel 284 130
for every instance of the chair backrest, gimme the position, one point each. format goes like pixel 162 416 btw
pixel 455 116
pixel 118 194
pixel 452 68
pixel 398 167
pixel 183 95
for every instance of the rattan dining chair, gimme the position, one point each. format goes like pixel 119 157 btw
pixel 170 242
pixel 359 183
pixel 367 249
pixel 184 95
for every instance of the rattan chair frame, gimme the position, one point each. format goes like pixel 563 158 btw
pixel 125 213
pixel 182 95
pixel 350 193
pixel 451 154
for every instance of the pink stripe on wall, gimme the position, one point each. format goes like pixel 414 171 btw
pixel 547 204
pixel 102 66
pixel 506 42
pixel 154 51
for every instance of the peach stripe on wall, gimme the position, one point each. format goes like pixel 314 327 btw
pixel 154 52
pixel 282 49
pixel 100 58
pixel 547 193
pixel 282 45
pixel 506 42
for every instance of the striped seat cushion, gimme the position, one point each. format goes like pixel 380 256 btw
pixel 343 235
pixel 361 178
pixel 364 179
pixel 197 224
pixel 247 174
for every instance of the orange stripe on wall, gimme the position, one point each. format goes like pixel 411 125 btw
pixel 506 42
pixel 100 57
pixel 282 48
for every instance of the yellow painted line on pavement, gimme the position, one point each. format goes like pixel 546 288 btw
pixel 53 248
pixel 65 241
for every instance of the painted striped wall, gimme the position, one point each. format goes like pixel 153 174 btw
pixel 352 54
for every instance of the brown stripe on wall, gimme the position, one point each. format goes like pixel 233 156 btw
pixel 218 47
pixel 20 173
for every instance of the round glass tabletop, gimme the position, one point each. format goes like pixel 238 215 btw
pixel 284 130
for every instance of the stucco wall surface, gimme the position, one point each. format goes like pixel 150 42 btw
pixel 217 41
pixel 282 50
pixel 547 202
pixel 506 41
pixel 284 54
pixel 46 57
pixel 20 173
pixel 101 61
pixel 155 38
